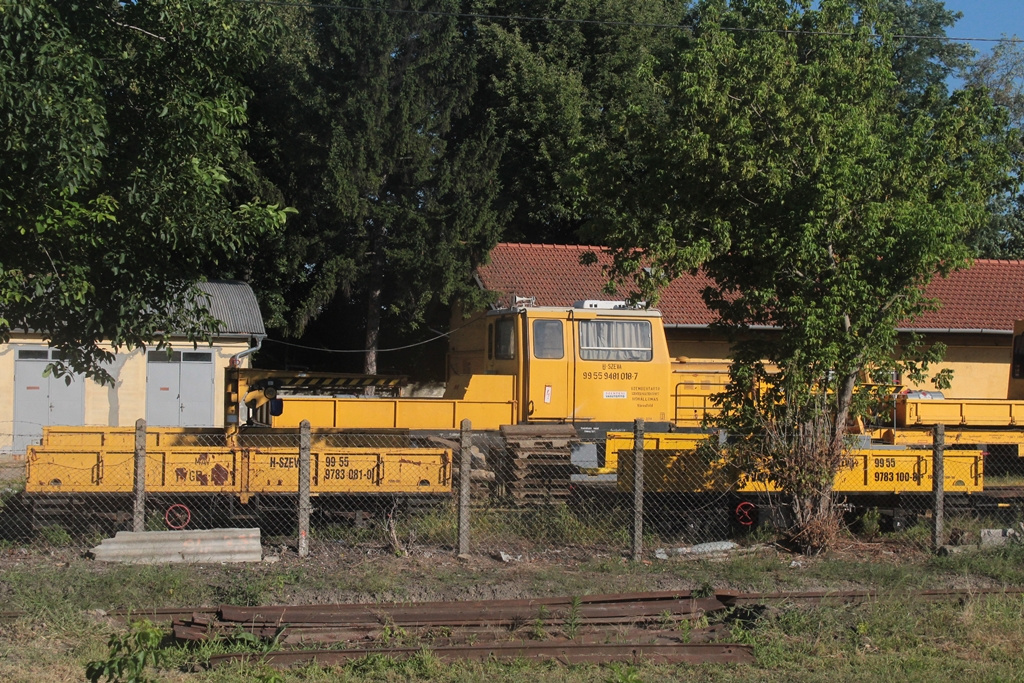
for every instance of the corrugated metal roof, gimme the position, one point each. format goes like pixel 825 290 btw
pixel 234 304
pixel 986 297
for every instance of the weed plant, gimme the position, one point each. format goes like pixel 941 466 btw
pixel 11 489
pixel 131 655
pixel 555 526
pixel 55 536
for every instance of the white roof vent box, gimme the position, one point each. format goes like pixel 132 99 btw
pixel 602 305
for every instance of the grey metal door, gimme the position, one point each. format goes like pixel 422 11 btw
pixel 163 405
pixel 196 389
pixel 43 401
pixel 179 389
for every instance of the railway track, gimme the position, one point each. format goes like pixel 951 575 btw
pixel 627 627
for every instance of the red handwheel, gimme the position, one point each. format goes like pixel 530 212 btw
pixel 746 513
pixel 177 516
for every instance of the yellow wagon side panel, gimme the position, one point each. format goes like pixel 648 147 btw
pixel 123 438
pixel 192 470
pixel 404 413
pixel 319 411
pixel 895 471
pixel 276 470
pixel 617 442
pixel 424 414
pixel 353 470
pixel 76 471
pixel 485 415
pixel 973 413
pixel 672 464
pixel 349 471
pixel 908 471
pixel 416 471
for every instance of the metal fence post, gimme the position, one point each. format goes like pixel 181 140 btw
pixel 139 487
pixel 304 506
pixel 465 468
pixel 938 483
pixel 638 489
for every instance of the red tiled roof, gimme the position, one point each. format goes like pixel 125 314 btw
pixel 987 296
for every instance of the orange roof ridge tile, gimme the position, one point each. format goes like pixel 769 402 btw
pixel 526 245
pixel 996 260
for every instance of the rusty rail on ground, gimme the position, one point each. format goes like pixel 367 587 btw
pixel 626 627
pixel 568 653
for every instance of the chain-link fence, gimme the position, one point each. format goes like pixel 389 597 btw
pixel 528 489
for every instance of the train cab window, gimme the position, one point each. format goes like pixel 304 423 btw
pixel 1018 357
pixel 624 340
pixel 547 339
pixel 505 339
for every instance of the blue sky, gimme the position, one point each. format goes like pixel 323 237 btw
pixel 987 19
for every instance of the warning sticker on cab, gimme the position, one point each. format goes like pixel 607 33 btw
pixel 615 394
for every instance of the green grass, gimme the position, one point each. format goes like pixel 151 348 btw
pixel 894 637
pixel 82 585
pixel 1000 566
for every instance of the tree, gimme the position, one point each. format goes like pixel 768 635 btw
pixel 371 134
pixel 554 81
pixel 922 57
pixel 122 177
pixel 548 81
pixel 1001 74
pixel 785 164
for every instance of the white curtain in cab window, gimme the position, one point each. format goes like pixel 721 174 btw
pixel 625 340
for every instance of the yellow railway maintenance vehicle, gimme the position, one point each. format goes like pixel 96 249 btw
pixel 552 381
pixel 551 385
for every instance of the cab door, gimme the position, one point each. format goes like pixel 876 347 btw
pixel 549 361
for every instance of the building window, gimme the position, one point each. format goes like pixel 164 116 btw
pixel 179 357
pixel 622 340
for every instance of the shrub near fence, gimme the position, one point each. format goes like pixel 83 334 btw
pixel 395 492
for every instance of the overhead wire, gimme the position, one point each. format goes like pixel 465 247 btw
pixel 440 335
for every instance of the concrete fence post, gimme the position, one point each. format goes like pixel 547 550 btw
pixel 638 490
pixel 304 483
pixel 465 472
pixel 938 484
pixel 139 485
